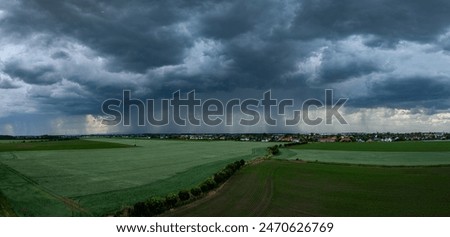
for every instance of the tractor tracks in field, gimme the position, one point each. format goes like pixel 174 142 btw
pixel 74 206
pixel 265 198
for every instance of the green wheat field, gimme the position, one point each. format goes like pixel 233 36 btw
pixel 98 177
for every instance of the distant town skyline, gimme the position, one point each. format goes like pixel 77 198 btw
pixel 61 60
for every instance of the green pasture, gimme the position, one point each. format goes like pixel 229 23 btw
pixel 407 146
pixel 376 153
pixel 100 181
pixel 34 145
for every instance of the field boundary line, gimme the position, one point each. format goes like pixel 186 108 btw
pixel 67 201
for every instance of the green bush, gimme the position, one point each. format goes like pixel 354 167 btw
pixel 242 162
pixel 208 185
pixel 152 207
pixel 171 200
pixel 139 209
pixel 232 167
pixel 273 150
pixel 184 195
pixel 156 206
pixel 228 171
pixel 220 177
pixel 196 191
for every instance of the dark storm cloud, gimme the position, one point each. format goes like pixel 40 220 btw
pixel 66 97
pixel 379 42
pixel 8 84
pixel 254 45
pixel 392 20
pixel 408 93
pixel 60 55
pixel 34 75
pixel 135 35
pixel 338 65
pixel 230 19
pixel 335 72
pixel 254 68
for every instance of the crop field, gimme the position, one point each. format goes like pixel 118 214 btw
pixel 292 188
pixel 338 179
pixel 408 146
pixel 73 179
pixel 36 145
pixel 376 153
pixel 97 177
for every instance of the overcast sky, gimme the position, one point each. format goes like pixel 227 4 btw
pixel 59 60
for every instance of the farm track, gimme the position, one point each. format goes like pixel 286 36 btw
pixel 266 198
pixel 67 201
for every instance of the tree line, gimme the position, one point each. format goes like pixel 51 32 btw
pixel 157 205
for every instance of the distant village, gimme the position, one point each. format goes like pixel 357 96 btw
pixel 263 137
pixel 301 138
